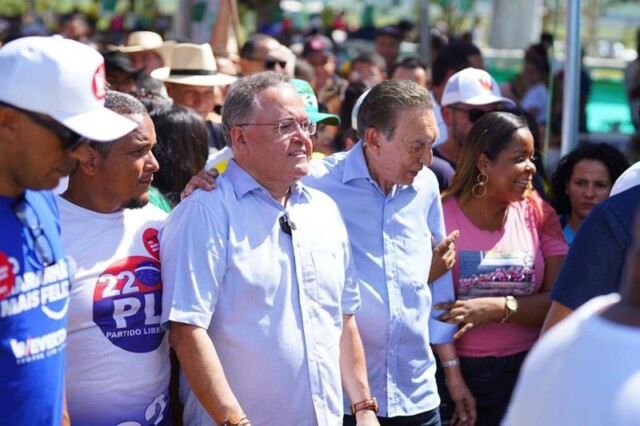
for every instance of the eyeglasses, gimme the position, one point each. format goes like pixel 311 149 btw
pixel 286 127
pixel 70 139
pixel 269 64
pixel 29 219
pixel 474 114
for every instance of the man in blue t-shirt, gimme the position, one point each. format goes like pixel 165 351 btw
pixel 593 266
pixel 51 101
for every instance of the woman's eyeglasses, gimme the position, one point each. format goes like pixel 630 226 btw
pixel 29 219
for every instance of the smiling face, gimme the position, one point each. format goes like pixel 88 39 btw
pixel 275 160
pixel 397 159
pixel 510 173
pixel 589 185
pixel 127 171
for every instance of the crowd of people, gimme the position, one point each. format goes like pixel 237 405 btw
pixel 279 238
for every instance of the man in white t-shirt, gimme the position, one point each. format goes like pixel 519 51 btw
pixel 585 371
pixel 117 353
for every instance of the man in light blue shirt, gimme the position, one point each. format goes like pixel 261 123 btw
pixel 391 206
pixel 258 297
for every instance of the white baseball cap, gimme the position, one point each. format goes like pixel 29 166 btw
pixel 474 87
pixel 356 109
pixel 63 79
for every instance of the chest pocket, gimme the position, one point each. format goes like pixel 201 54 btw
pixel 329 276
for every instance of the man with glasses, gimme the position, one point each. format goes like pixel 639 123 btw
pixel 261 52
pixel 259 298
pixel 392 211
pixel 51 101
pixel 467 96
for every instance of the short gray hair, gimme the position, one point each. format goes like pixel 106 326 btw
pixel 122 104
pixel 380 107
pixel 244 98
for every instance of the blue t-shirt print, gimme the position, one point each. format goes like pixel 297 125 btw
pixel 496 273
pixel 34 300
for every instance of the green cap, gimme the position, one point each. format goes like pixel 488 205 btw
pixel 304 89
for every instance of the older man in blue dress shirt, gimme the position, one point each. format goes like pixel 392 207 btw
pixel 391 206
pixel 258 297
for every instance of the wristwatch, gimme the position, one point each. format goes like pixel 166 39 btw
pixel 510 307
pixel 237 420
pixel 367 404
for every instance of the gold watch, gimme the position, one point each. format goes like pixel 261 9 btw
pixel 510 307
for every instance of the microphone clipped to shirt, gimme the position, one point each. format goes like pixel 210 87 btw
pixel 286 225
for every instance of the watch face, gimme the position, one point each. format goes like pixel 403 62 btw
pixel 512 303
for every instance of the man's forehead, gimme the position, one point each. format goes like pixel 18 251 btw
pixel 143 132
pixel 282 98
pixel 193 88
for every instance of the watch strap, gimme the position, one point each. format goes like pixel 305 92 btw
pixel 367 404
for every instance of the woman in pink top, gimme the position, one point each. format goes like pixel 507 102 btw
pixel 508 253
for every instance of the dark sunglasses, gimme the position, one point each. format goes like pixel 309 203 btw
pixel 29 219
pixel 270 64
pixel 70 139
pixel 474 114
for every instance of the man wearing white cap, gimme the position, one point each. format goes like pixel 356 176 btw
pixel 191 80
pixel 147 50
pixel 467 96
pixel 52 94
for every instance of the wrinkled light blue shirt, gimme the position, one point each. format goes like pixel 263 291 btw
pixel 391 240
pixel 272 303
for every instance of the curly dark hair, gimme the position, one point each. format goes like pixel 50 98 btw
pixel 611 157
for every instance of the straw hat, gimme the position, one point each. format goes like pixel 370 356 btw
pixel 139 41
pixel 193 64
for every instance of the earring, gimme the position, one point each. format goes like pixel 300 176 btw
pixel 479 190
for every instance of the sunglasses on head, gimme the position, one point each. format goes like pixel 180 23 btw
pixel 70 139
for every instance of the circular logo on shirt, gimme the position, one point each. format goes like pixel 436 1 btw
pixel 127 303
pixel 7 278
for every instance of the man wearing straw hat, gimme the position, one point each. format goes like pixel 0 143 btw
pixel 147 50
pixel 191 80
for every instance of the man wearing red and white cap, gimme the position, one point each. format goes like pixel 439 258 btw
pixel 52 94
pixel 467 96
pixel 319 52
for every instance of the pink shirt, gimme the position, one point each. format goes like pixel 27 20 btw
pixel 508 261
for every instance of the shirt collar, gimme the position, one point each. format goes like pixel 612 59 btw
pixel 244 183
pixel 355 165
pixel 356 168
